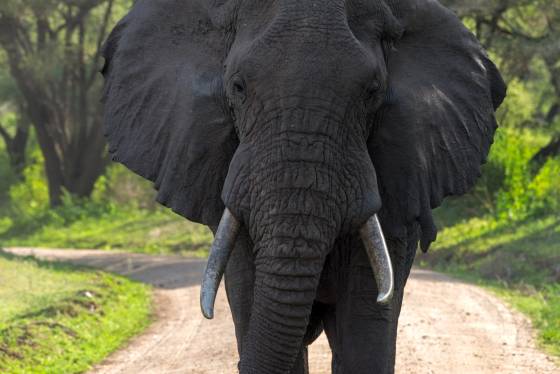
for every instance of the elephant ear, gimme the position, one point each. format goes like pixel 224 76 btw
pixel 164 113
pixel 435 129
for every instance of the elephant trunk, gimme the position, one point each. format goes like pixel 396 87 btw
pixel 296 188
pixel 288 265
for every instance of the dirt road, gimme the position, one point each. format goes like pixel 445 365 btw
pixel 446 326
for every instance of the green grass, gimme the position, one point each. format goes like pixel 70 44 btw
pixel 57 318
pixel 148 231
pixel 520 261
pixel 543 308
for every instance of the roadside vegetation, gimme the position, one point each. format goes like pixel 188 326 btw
pixel 115 228
pixel 58 318
pixel 519 260
pixel 120 215
pixel 505 235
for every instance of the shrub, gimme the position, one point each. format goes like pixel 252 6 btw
pixel 122 187
pixel 509 188
pixel 545 188
pixel 30 197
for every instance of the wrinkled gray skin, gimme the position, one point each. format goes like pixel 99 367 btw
pixel 304 118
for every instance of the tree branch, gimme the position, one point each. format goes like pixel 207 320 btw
pixel 4 134
pixel 100 39
pixel 552 149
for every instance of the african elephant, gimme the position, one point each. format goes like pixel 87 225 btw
pixel 300 125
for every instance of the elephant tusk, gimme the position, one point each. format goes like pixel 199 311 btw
pixel 376 248
pixel 224 242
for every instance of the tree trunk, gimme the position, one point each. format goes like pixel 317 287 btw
pixel 85 162
pixel 16 147
pixel 62 107
pixel 53 167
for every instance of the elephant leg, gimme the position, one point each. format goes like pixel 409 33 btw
pixel 362 334
pixel 329 324
pixel 302 365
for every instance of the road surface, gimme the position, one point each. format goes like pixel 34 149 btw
pixel 446 326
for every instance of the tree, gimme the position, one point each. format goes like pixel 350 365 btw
pixel 16 145
pixel 52 49
pixel 521 32
pixel 15 135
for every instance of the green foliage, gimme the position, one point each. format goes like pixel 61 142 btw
pixel 543 307
pixel 546 187
pixel 514 252
pixel 61 319
pixel 121 187
pixel 120 214
pixel 521 192
pixel 511 188
pixel 513 154
pixel 30 198
pixel 121 228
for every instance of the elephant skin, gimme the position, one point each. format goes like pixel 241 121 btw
pixel 305 119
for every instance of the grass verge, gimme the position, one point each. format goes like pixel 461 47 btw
pixel 520 261
pixel 56 318
pixel 156 231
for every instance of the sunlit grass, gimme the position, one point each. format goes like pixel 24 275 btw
pixel 543 308
pixel 61 319
pixel 520 261
pixel 155 232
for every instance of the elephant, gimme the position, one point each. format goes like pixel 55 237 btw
pixel 314 138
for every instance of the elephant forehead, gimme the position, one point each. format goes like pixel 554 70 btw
pixel 325 43
pixel 257 15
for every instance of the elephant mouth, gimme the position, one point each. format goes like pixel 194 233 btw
pixel 224 242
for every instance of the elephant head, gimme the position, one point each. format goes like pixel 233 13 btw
pixel 302 121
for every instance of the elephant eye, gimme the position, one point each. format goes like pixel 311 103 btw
pixel 373 88
pixel 374 95
pixel 238 90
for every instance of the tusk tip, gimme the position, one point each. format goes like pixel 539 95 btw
pixel 385 298
pixel 207 306
pixel 208 313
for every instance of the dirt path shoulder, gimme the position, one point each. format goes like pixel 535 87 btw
pixel 446 326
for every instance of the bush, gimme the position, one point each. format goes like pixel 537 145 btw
pixel 516 191
pixel 522 192
pixel 122 187
pixel 545 188
pixel 509 188
pixel 30 197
